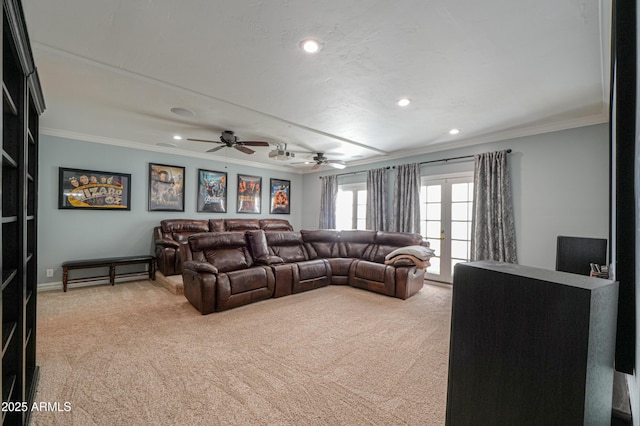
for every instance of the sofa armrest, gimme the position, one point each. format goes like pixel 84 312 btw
pixel 197 266
pixel 164 242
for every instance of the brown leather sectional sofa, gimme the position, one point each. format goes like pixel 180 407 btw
pixel 224 270
pixel 171 236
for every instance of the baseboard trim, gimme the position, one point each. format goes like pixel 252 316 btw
pixel 54 286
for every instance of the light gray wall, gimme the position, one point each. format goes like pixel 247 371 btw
pixel 80 234
pixel 560 185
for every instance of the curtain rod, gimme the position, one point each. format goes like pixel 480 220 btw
pixel 454 158
pixel 424 162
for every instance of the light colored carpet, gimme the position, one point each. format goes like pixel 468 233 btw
pixel 135 354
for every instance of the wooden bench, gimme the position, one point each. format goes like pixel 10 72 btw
pixel 110 263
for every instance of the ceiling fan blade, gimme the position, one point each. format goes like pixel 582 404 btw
pixel 336 164
pixel 203 140
pixel 253 143
pixel 244 149
pixel 216 148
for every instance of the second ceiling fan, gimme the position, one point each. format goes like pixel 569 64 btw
pixel 229 140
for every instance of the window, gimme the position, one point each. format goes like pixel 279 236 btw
pixel 351 206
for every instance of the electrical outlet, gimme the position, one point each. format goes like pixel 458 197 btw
pixel 49 273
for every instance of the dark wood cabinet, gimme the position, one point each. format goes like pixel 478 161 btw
pixel 22 105
pixel 530 347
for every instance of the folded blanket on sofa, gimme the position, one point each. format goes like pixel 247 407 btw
pixel 419 255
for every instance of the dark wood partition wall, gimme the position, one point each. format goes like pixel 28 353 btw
pixel 530 347
pixel 624 170
pixel 22 104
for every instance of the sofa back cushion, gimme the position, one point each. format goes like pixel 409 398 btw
pixel 386 242
pixel 227 251
pixel 216 225
pixel 322 243
pixel 356 243
pixel 174 226
pixel 288 245
pixel 233 225
pixel 270 225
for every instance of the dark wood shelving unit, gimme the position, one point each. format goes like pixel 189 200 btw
pixel 21 107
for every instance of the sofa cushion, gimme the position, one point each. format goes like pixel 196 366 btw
pixel 227 251
pixel 183 237
pixel 322 243
pixel 270 225
pixel 183 225
pixel 373 277
pixel 241 224
pixel 287 245
pixel 247 280
pixel 356 243
pixel 216 225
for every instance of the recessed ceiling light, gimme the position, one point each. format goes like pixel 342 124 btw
pixel 454 131
pixel 310 46
pixel 404 102
pixel 177 137
pixel 182 111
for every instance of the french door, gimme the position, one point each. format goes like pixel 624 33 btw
pixel 445 221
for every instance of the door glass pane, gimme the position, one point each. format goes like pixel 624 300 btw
pixel 459 192
pixel 460 230
pixel 435 266
pixel 435 245
pixel 433 229
pixel 433 211
pixel 459 211
pixel 434 193
pixel 459 249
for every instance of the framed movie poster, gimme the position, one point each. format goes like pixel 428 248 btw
pixel 93 190
pixel 212 191
pixel 166 188
pixel 280 194
pixel 249 193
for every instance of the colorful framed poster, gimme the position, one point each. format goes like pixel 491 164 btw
pixel 166 188
pixel 280 195
pixel 93 190
pixel 249 193
pixel 212 191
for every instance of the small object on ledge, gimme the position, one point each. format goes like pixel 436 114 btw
pixel 599 271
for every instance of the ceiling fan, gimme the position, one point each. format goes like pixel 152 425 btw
pixel 229 140
pixel 321 160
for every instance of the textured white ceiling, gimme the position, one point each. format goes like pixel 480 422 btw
pixel 112 70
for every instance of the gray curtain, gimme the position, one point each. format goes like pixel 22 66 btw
pixel 493 235
pixel 328 198
pixel 406 201
pixel 377 199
